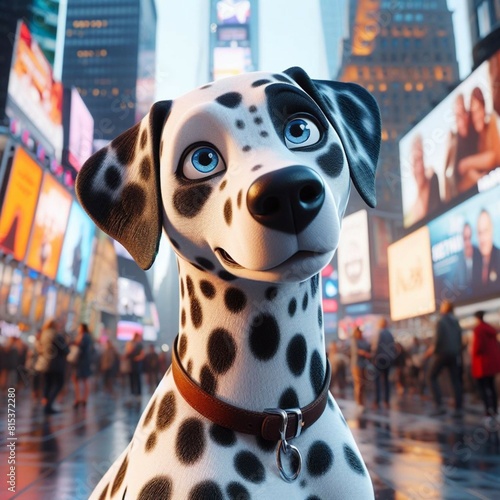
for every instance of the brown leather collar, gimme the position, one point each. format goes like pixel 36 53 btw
pixel 266 424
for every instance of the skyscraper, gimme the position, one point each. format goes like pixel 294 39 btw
pixel 335 27
pixel 101 59
pixel 404 54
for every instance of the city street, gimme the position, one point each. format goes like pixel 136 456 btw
pixel 409 454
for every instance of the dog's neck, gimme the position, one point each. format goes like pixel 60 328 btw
pixel 255 345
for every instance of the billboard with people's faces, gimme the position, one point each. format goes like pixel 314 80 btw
pixel 465 244
pixel 454 152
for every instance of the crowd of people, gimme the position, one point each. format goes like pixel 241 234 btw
pixel 57 360
pixel 378 365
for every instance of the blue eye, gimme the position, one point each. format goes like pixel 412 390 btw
pixel 201 162
pixel 301 132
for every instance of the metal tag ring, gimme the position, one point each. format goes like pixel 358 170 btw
pixel 285 447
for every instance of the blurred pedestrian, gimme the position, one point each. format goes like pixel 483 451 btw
pixel 109 364
pixel 52 361
pixel 400 365
pixel 151 368
pixel 12 361
pixel 31 362
pixel 134 351
pixel 384 354
pixel 486 363
pixel 416 359
pixel 339 363
pixel 82 371
pixel 360 354
pixel 446 350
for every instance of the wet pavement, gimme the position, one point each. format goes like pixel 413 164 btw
pixel 409 454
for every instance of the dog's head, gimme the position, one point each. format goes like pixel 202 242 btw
pixel 249 176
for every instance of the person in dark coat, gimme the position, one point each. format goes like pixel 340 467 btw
pixel 134 351
pixel 486 362
pixel 83 365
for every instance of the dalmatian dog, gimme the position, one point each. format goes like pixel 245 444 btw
pixel 249 178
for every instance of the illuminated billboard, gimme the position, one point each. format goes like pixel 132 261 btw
pixel 34 96
pixel 19 204
pixel 76 250
pixel 455 150
pixel 231 61
pixel 411 286
pixel 49 226
pixel 233 11
pixel 353 257
pixel 466 249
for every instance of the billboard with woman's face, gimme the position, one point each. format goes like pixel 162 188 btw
pixel 454 152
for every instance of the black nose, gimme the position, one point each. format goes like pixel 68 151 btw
pixel 287 199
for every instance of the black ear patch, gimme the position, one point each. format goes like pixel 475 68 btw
pixel 355 116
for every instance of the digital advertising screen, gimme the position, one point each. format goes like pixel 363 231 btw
pixel 353 256
pixel 34 96
pixel 19 204
pixel 77 249
pixel 455 149
pixel 131 299
pixel 15 292
pixel 233 11
pixel 49 226
pixel 466 249
pixel 127 329
pixel 330 288
pixel 80 134
pixel 231 61
pixel 50 302
pixel 411 285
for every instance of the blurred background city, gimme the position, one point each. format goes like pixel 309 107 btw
pixel 76 73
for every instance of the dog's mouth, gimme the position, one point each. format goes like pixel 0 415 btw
pixel 293 259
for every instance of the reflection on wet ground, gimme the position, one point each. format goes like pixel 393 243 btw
pixel 409 454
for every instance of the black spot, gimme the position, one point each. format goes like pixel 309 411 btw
pixel 260 82
pixel 317 372
pixel 223 184
pixel 190 286
pixel 145 168
pixel 183 343
pixel 314 285
pixel 257 120
pixel 182 288
pixel 282 78
pixel 151 442
pixel 353 460
pixel 228 212
pixel 183 317
pixel 265 444
pixel 296 354
pixel 120 476
pixel 188 201
pixel 104 492
pixel 332 161
pixel 221 435
pixel 313 497
pixel 207 380
pixel 230 100
pixel 292 307
pixel 320 316
pixel 252 109
pixel 144 138
pixel 236 491
pixel 263 133
pixel 246 148
pixel 125 145
pixel 196 313
pixel 240 124
pixel 238 198
pixel 190 441
pixel 175 244
pixel 207 289
pixel 189 367
pixel 289 399
pixel 149 414
pixel 133 200
pixel 205 263
pixel 207 490
pixel 256 168
pixel 166 411
pixel 271 293
pixel 235 299
pixel 249 467
pixel 303 484
pixel 305 301
pixel 157 487
pixel 226 276
pixel 206 86
pixel 319 458
pixel 264 336
pixel 112 177
pixel 221 350
pixel 197 266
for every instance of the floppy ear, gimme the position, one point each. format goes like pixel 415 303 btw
pixel 119 186
pixel 355 116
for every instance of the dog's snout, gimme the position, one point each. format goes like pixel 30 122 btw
pixel 287 199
